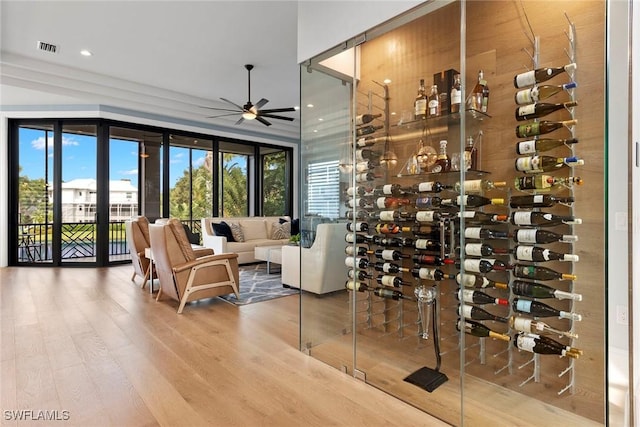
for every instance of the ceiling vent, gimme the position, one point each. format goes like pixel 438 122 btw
pixel 47 47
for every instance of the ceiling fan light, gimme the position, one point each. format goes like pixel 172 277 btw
pixel 248 115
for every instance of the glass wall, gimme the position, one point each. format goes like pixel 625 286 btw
pixel 145 171
pixel 454 300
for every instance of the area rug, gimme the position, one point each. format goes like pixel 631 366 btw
pixel 257 286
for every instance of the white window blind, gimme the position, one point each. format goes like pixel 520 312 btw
pixel 323 181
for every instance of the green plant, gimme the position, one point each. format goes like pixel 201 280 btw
pixel 295 239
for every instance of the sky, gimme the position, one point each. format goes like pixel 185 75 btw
pixel 79 157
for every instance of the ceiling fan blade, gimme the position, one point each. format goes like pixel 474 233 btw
pixel 222 115
pixel 273 116
pixel 240 120
pixel 233 103
pixel 261 103
pixel 263 121
pixel 278 110
pixel 219 109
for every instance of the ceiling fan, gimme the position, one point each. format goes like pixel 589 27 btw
pixel 250 111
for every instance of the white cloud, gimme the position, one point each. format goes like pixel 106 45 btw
pixel 39 143
pixel 198 162
pixel 129 172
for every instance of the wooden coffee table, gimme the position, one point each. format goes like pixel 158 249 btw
pixel 271 254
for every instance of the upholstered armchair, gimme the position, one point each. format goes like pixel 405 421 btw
pixel 185 277
pixel 137 231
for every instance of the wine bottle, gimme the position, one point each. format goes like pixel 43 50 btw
pixel 358 251
pixel 540 128
pixel 478 313
pixel 363 119
pixel 544 345
pixel 388 190
pixel 390 294
pixel 523 324
pixel 428 216
pixel 388 228
pixel 477 185
pixel 428 202
pixel 354 285
pixel 538 290
pixel 433 103
pixel 541 219
pixel 389 254
pixel 538 93
pixel 537 272
pixel 393 215
pixel 545 182
pixel 539 164
pixel 391 202
pixel 533 146
pixel 473 281
pixel 365 154
pixel 483 265
pixel 443 161
pixel 359 274
pixel 430 260
pixel 359 190
pixel 427 245
pixel 484 233
pixel 470 155
pixel 478 297
pixel 472 201
pixel 539 309
pixel 540 109
pixel 393 281
pixel 367 166
pixel 366 141
pixel 476 217
pixel 359 238
pixel 538 201
pixel 359 262
pixel 540 75
pixel 477 329
pixel 361 202
pixel 388 267
pixel 427 187
pixel 482 249
pixel 539 254
pixel 357 214
pixel 532 235
pixel 479 98
pixel 358 226
pixel 420 103
pixel 387 241
pixel 456 94
pixel 367 130
pixel 366 176
pixel 430 273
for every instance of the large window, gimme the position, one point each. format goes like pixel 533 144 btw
pixel 274 181
pixel 233 179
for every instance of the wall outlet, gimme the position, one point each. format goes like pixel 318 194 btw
pixel 622 315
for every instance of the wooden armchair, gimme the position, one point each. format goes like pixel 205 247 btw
pixel 137 231
pixel 183 276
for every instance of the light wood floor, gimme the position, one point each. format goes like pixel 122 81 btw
pixel 90 342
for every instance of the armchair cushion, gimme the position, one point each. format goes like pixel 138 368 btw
pixel 223 229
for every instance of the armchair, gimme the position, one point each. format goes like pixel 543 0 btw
pixel 183 276
pixel 137 231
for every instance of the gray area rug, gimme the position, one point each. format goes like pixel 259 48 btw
pixel 257 286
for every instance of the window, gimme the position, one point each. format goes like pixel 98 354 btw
pixel 323 189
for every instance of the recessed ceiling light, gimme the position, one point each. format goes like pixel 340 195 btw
pixel 85 52
pixel 297 107
pixel 310 105
pixel 320 119
pixel 315 131
pixel 386 81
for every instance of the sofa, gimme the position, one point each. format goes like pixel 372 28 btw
pixel 254 231
pixel 319 269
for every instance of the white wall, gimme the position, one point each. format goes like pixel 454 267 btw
pixel 325 24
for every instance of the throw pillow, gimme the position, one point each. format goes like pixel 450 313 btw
pixel 281 231
pixel 223 229
pixel 236 230
pixel 295 225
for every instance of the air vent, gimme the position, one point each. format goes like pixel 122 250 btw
pixel 47 47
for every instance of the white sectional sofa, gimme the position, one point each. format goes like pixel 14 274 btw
pixel 257 231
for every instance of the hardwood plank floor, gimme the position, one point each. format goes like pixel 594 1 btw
pixel 91 342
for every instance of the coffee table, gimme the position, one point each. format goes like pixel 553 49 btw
pixel 271 254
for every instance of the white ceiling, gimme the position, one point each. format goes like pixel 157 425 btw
pixel 159 57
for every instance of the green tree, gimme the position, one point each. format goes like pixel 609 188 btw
pixel 33 200
pixel 274 183
pixel 234 187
